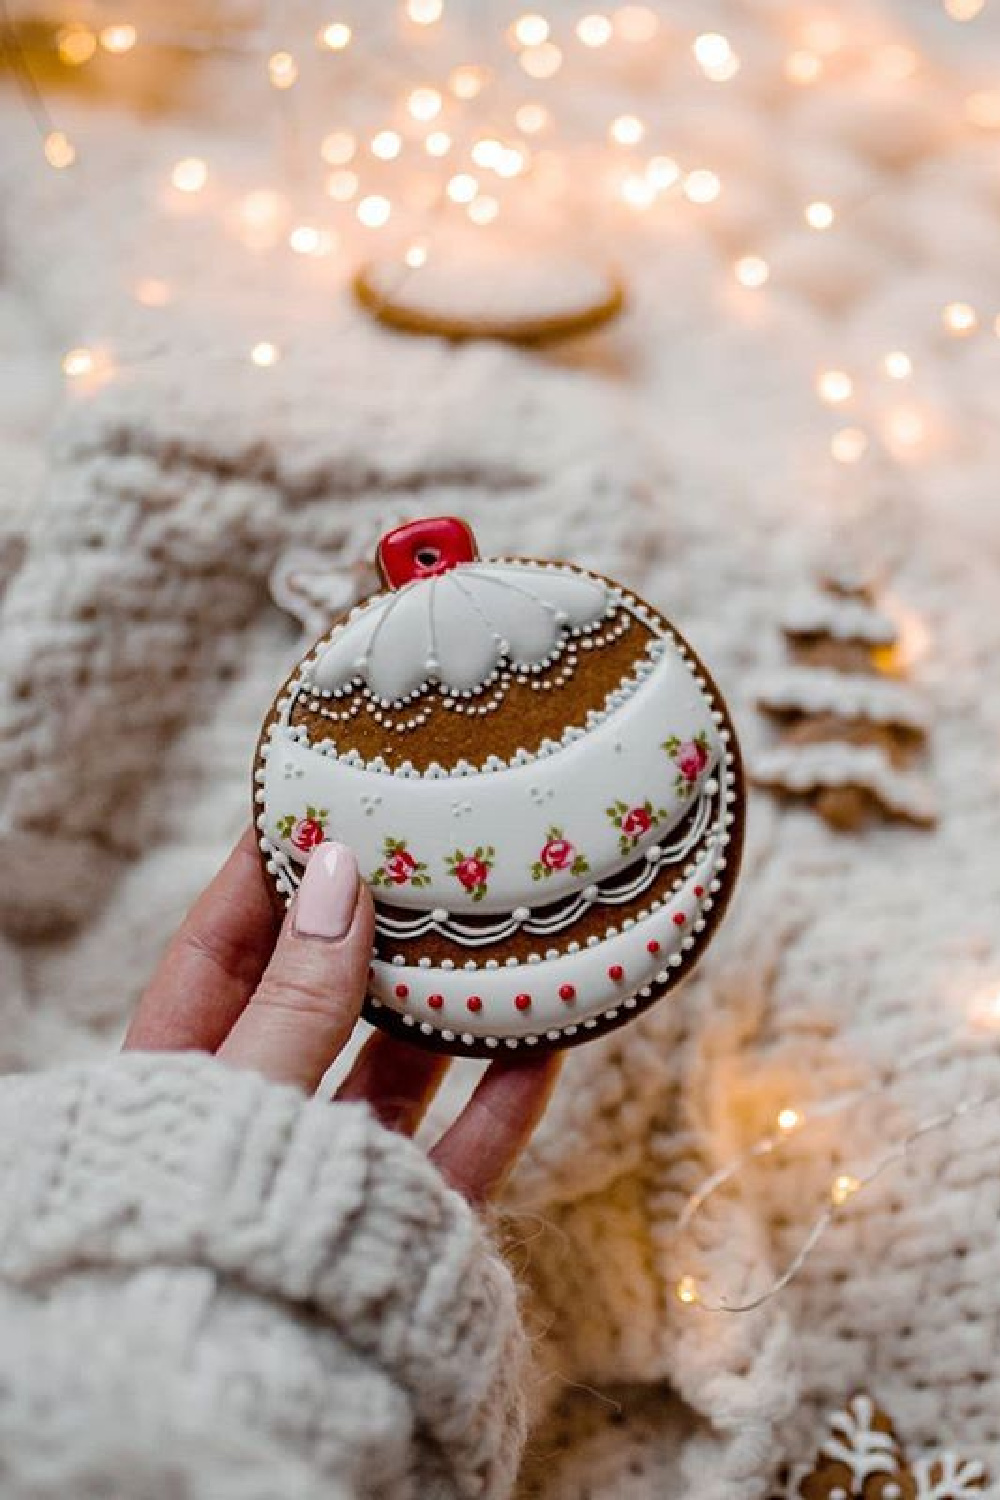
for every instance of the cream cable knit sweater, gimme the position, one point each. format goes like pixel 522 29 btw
pixel 211 1288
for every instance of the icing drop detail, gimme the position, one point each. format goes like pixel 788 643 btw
pixel 573 988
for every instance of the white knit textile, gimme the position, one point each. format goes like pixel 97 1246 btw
pixel 686 453
pixel 210 1287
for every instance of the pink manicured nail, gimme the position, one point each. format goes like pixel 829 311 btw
pixel 328 894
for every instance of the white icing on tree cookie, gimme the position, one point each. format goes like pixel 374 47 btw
pixel 844 618
pixel 848 695
pixel 836 764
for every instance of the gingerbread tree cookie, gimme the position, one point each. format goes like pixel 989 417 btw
pixel 851 732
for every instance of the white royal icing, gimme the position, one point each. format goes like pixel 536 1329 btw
pixel 454 629
pixel 583 789
pixel 833 764
pixel 554 919
pixel 848 695
pixel 843 618
pixel 407 988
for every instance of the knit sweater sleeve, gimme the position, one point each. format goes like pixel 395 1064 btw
pixel 212 1287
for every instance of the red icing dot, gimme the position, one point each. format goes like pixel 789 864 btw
pixel 567 992
pixel 402 990
pixel 474 1002
pixel 616 972
pixel 679 919
pixel 522 1001
pixel 435 1001
pixel 699 890
pixel 652 946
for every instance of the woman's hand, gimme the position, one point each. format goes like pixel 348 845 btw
pixel 285 999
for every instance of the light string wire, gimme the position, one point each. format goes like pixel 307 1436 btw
pixel 24 77
pixel 845 1186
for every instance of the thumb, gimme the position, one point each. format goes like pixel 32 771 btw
pixel 309 998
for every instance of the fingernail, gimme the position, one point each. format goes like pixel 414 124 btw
pixel 324 907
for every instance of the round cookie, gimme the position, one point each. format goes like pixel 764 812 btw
pixel 457 296
pixel 540 781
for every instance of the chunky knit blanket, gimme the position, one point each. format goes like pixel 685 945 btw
pixel 684 451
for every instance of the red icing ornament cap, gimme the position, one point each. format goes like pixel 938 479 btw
pixel 423 549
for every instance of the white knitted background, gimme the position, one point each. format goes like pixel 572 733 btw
pixel 685 451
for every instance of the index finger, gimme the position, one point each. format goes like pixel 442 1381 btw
pixel 213 963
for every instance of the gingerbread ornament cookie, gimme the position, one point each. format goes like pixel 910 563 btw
pixel 540 781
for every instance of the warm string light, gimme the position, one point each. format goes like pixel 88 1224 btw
pixel 819 214
pixel 897 365
pixel 662 172
pixel 594 31
pixel 374 211
pixel 462 188
pixel 118 38
pixel 386 145
pixel 75 44
pixel 189 175
pixel 542 62
pixel 702 186
pixel 532 118
pixel 424 104
pixel 282 69
pixel 715 57
pixel 264 355
pixel 59 150
pixel 425 12
pixel 845 1186
pixel 959 318
pixel 308 239
pixel 637 191
pixel 78 362
pixel 483 210
pixel 834 386
pixel 531 30
pixel 626 130
pixel 752 271
pixel 338 148
pixel 335 36
pixel 467 81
